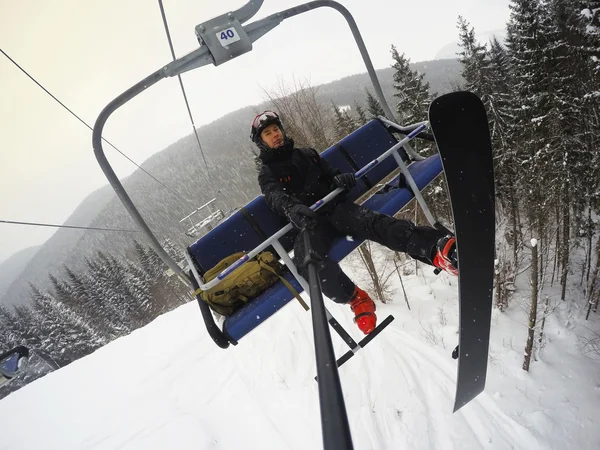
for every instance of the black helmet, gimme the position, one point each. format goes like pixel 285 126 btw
pixel 262 121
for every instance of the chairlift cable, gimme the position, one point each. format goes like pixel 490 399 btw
pixel 14 222
pixel 75 227
pixel 187 104
pixel 83 122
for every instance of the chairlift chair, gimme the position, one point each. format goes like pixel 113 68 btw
pixel 372 152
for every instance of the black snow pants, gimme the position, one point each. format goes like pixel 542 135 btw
pixel 350 219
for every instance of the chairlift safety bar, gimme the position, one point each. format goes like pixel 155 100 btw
pixel 405 130
pixel 198 209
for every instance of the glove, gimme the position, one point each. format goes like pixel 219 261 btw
pixel 301 216
pixel 345 180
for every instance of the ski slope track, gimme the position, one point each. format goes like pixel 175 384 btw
pixel 168 386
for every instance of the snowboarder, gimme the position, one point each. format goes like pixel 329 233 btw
pixel 294 178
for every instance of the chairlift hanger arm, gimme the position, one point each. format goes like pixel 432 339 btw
pixel 114 179
pixel 258 29
pixel 248 11
pixel 216 50
pixel 408 129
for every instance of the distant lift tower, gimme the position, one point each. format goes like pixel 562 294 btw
pixel 215 215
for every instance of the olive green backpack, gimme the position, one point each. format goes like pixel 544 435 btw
pixel 245 283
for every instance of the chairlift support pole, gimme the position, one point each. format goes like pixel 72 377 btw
pixel 334 418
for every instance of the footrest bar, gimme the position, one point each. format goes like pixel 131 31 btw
pixel 350 353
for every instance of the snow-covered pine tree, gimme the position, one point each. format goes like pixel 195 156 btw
pixel 506 168
pixel 373 106
pixel 486 73
pixel 362 118
pixel 9 336
pixel 5 337
pixel 529 109
pixel 23 326
pixel 13 328
pixel 499 92
pixel 552 123
pixel 46 325
pixel 110 277
pixel 475 62
pixel 173 250
pixel 92 306
pixel 143 257
pixel 411 90
pixel 134 315
pixel 584 27
pixel 103 299
pixel 567 156
pixel 167 293
pixel 588 16
pixel 413 95
pixel 63 294
pixel 343 123
pixel 139 286
pixel 156 281
pixel 133 281
pixel 156 266
pixel 77 286
pixel 63 335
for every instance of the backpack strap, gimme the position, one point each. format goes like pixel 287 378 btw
pixel 350 160
pixel 253 223
pixel 286 283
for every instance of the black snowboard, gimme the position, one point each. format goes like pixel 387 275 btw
pixel 459 124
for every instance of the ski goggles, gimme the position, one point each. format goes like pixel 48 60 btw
pixel 263 118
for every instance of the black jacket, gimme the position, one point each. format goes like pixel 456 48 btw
pixel 289 176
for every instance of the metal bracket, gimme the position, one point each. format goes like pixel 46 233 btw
pixel 225 38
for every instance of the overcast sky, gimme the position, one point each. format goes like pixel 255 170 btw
pixel 88 52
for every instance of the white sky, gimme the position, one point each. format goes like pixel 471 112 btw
pixel 88 52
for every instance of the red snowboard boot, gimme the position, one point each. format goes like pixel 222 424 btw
pixel 364 310
pixel 445 257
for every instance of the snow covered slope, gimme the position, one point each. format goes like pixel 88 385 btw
pixel 168 386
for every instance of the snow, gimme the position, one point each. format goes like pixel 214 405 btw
pixel 589 15
pixel 167 385
pixel 538 120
